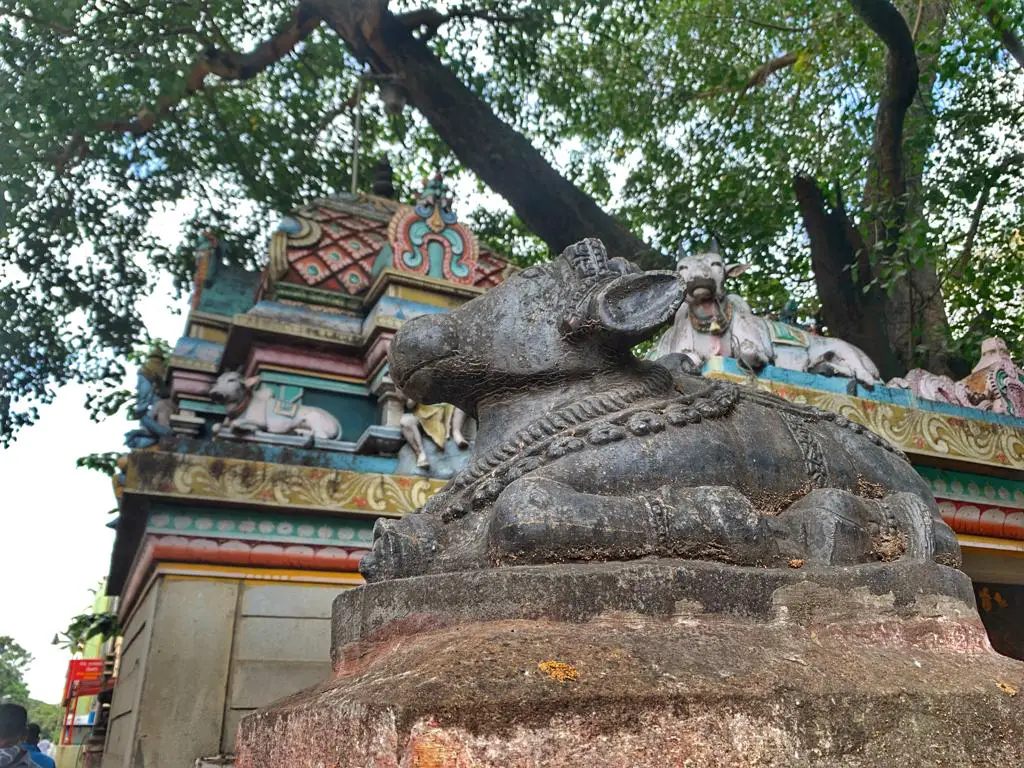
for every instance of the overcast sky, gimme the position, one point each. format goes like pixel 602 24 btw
pixel 55 543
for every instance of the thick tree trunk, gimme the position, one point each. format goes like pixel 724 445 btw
pixel 854 309
pixel 551 207
pixel 910 314
pixel 914 310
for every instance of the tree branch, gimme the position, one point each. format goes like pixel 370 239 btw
pixel 972 233
pixel 1010 41
pixel 898 91
pixel 769 68
pixel 224 63
pixel 757 78
pixel 752 22
pixel 328 118
pixel 433 19
pixel 60 29
pixel 553 208
pixel 917 20
pixel 992 178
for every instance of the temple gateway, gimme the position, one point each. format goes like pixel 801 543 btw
pixel 274 437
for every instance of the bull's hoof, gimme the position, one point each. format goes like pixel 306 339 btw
pixel 540 521
pixel 401 548
pixel 713 523
pixel 829 526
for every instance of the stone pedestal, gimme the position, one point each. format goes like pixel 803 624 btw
pixel 655 663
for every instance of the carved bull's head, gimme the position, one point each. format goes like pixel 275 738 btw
pixel 567 319
pixel 702 275
pixel 230 387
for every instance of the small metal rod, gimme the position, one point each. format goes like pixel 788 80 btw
pixel 356 129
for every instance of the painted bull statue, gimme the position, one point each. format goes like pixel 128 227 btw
pixel 585 453
pixel 712 322
pixel 251 407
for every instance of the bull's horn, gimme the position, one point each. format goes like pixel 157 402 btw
pixel 588 257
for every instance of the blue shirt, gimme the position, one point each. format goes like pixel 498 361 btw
pixel 38 757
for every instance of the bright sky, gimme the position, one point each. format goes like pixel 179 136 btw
pixel 56 546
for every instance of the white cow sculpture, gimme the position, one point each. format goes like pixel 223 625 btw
pixel 712 322
pixel 252 407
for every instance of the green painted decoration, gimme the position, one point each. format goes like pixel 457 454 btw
pixel 284 528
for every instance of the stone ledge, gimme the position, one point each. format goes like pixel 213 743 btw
pixel 655 588
pixel 715 690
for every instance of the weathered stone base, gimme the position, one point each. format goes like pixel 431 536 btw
pixel 820 677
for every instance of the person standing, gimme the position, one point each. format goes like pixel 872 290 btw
pixel 31 746
pixel 13 719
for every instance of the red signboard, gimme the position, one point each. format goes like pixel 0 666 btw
pixel 82 670
pixel 85 677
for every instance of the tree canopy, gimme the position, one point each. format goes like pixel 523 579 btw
pixel 14 662
pixel 864 155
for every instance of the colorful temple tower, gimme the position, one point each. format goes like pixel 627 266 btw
pixel 271 439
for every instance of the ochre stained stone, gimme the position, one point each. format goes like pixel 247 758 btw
pixel 810 670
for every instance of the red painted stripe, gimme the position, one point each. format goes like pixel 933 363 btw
pixel 983 520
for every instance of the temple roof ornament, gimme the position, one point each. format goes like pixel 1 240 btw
pixel 429 240
pixel 343 242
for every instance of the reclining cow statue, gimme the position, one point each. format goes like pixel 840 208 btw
pixel 712 322
pixel 253 407
pixel 585 453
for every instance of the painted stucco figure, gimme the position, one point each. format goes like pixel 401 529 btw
pixel 585 453
pixel 252 407
pixel 153 408
pixel 437 422
pixel 712 322
pixel 996 384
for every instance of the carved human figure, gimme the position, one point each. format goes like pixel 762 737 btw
pixel 152 407
pixel 996 384
pixel 712 322
pixel 438 422
pixel 585 453
pixel 251 406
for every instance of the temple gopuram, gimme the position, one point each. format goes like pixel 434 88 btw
pixel 271 439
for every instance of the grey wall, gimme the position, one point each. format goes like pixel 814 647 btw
pixel 199 654
pixel 125 703
pixel 282 645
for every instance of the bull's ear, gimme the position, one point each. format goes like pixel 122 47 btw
pixel 632 307
pixel 735 270
pixel 252 382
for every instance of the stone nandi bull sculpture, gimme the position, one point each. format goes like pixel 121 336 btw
pixel 712 322
pixel 253 407
pixel 585 453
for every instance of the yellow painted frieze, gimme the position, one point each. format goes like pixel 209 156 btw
pixel 212 479
pixel 917 432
